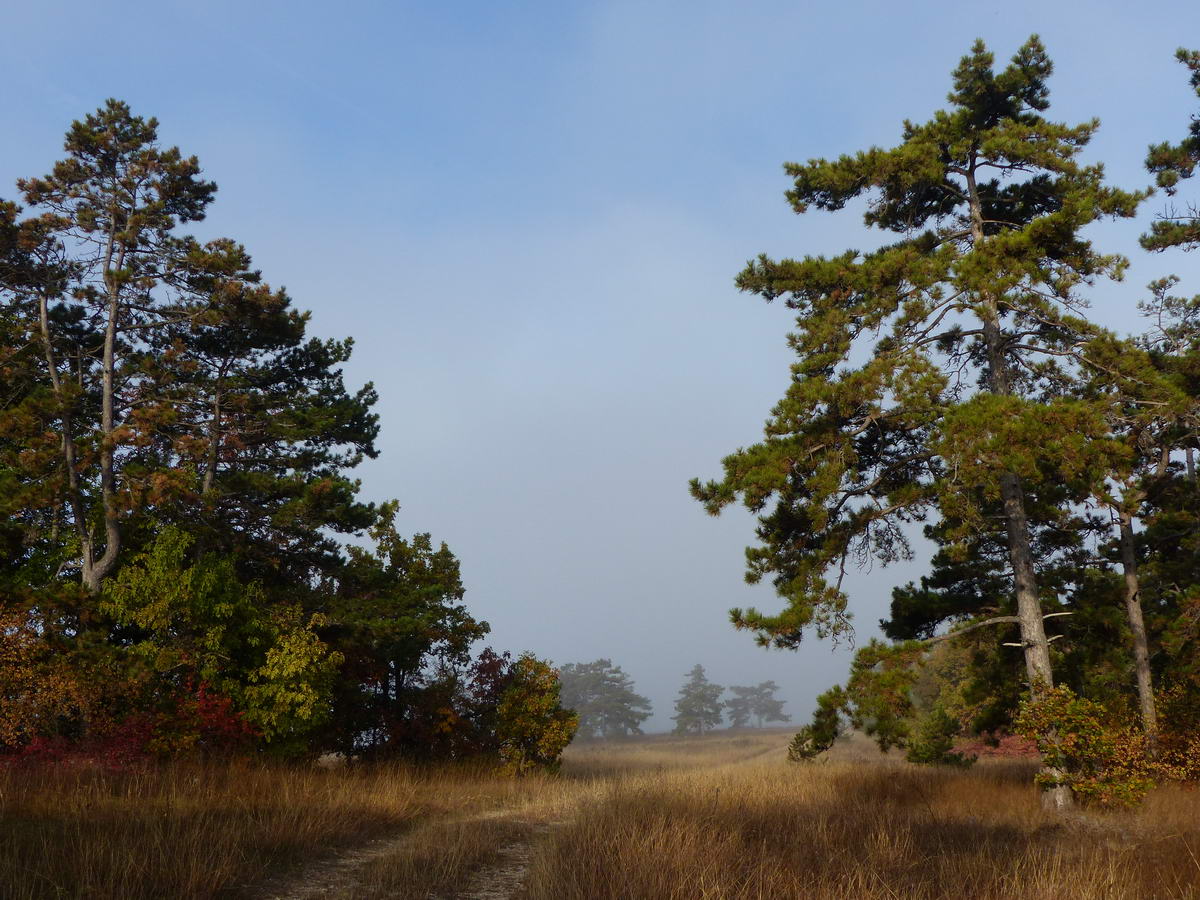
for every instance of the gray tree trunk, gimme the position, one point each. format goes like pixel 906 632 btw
pixel 1137 626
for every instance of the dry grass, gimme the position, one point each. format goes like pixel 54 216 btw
pixel 768 828
pixel 723 816
pixel 668 753
pixel 199 831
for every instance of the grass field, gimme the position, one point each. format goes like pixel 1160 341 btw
pixel 857 825
pixel 721 816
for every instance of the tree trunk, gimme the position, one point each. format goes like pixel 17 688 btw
pixel 114 262
pixel 94 575
pixel 214 444
pixel 1016 520
pixel 1029 607
pixel 1137 626
pixel 1029 614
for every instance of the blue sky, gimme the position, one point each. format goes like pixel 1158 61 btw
pixel 529 216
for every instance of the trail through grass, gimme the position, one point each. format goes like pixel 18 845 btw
pixel 723 816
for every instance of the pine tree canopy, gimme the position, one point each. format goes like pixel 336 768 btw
pixel 175 488
pixel 930 372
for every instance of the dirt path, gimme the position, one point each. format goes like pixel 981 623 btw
pixel 347 875
pixel 502 879
pixel 498 880
pixel 339 875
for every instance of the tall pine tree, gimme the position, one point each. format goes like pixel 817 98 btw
pixel 969 324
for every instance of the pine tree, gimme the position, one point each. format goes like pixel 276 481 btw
pixel 267 429
pixel 604 698
pixel 739 707
pixel 756 702
pixel 174 478
pixel 699 703
pixel 165 382
pixel 112 270
pixel 969 323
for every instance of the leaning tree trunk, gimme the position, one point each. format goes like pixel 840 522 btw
pixel 1137 626
pixel 96 570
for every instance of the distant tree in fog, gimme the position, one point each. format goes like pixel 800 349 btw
pixel 757 703
pixel 699 704
pixel 604 698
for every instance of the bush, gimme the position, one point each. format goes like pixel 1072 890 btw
pixel 1102 760
pixel 532 727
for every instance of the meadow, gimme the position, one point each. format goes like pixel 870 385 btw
pixel 722 816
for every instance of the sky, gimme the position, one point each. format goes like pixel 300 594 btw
pixel 529 215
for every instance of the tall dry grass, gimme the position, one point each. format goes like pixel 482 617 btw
pixel 724 816
pixel 877 830
pixel 185 831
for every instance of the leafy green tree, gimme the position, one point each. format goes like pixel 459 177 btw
pixel 757 702
pixel 197 624
pixel 1105 763
pixel 603 697
pixel 505 710
pixel 699 703
pixel 968 323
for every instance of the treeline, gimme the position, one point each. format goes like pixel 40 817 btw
pixel 955 379
pixel 175 459
pixel 603 698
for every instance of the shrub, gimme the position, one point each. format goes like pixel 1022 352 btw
pixel 532 726
pixel 1102 760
